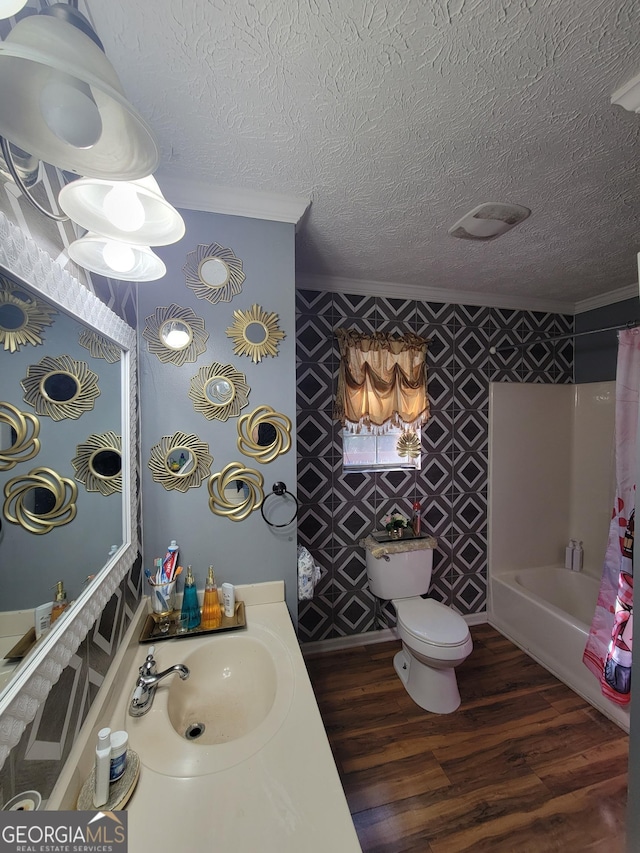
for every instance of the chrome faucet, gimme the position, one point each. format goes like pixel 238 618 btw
pixel 148 680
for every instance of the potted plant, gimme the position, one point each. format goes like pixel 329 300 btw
pixel 395 524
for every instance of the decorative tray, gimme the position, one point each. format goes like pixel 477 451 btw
pixel 151 633
pixel 24 645
pixel 407 536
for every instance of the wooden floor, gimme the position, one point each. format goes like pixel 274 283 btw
pixel 523 766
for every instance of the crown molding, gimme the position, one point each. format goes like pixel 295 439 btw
pixel 190 194
pixel 628 96
pixel 432 294
pixel 628 292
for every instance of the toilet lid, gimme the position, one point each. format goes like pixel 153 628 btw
pixel 432 622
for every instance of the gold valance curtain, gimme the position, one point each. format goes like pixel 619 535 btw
pixel 382 381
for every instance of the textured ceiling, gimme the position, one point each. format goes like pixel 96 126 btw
pixel 395 118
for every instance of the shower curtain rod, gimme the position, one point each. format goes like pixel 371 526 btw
pixel 631 324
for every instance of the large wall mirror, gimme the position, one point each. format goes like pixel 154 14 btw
pixel 30 563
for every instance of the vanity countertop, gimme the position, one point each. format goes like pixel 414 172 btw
pixel 287 797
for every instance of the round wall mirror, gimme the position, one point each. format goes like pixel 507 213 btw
pixel 18 436
pixel 40 500
pixel 12 317
pixel 176 334
pixel 22 318
pixel 264 434
pixel 220 390
pixel 214 272
pixel 255 333
pixel 106 463
pixel 236 491
pixel 98 463
pixel 181 461
pixel 60 387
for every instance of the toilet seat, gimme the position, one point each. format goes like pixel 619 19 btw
pixel 431 622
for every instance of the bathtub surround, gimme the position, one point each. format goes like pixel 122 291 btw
pixel 550 467
pixel 338 509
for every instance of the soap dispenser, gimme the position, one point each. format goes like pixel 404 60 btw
pixel 211 611
pixel 60 602
pixel 190 607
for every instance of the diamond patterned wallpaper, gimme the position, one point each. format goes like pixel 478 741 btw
pixel 337 509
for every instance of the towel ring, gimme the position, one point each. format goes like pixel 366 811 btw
pixel 279 489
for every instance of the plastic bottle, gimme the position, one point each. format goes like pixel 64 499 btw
pixel 211 612
pixel 229 598
pixel 102 768
pixel 190 607
pixel 415 519
pixel 568 554
pixel 60 602
pixel 577 557
pixel 118 756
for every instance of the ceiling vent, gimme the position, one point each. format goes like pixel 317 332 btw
pixel 488 221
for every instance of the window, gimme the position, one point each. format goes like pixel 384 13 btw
pixel 366 451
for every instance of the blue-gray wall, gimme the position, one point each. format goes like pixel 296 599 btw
pixel 596 355
pixel 246 551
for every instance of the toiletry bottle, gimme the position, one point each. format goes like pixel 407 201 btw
pixel 60 602
pixel 118 755
pixel 102 768
pixel 190 606
pixel 211 612
pixel 577 558
pixel 568 554
pixel 415 519
pixel 229 599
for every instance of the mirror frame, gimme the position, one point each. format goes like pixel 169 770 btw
pixel 25 261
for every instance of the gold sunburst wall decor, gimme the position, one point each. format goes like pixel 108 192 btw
pixel 180 461
pixel 22 318
pixel 264 434
pixel 98 463
pixel 40 500
pixel 255 333
pixel 214 273
pixel 175 335
pixel 26 428
pixel 236 491
pixel 100 347
pixel 219 391
pixel 60 387
pixel 408 444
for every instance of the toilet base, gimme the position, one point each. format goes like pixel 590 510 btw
pixel 435 690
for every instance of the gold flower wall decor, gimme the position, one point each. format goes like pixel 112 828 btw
pixel 214 273
pixel 255 333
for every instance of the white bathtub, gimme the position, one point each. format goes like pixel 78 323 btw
pixel 547 613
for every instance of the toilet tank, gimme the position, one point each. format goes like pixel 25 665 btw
pixel 404 574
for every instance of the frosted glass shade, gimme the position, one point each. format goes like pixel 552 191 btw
pixel 42 58
pixel 88 202
pixel 8 8
pixel 128 263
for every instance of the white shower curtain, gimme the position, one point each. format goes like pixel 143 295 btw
pixel 609 647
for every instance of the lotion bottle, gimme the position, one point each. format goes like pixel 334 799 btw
pixel 102 768
pixel 568 554
pixel 578 556
pixel 211 612
pixel 60 602
pixel 190 606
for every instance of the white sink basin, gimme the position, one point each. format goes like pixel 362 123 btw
pixel 231 689
pixel 236 698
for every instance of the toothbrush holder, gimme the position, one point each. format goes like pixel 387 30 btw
pixel 163 597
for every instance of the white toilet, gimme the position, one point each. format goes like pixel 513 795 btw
pixel 435 639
